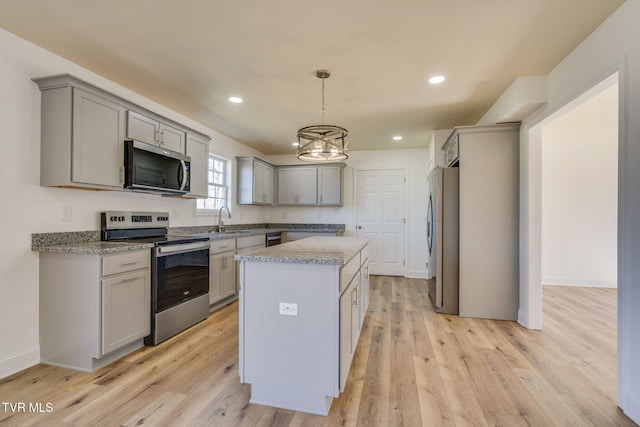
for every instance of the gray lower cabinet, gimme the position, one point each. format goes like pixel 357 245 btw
pixel 152 131
pixel 94 308
pixel 245 245
pixel 82 140
pixel 222 270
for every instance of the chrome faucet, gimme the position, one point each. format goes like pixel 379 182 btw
pixel 220 223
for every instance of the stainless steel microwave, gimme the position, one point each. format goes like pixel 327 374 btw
pixel 154 169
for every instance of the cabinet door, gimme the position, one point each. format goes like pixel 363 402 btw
pixel 267 184
pixel 364 292
pixel 98 135
pixel 126 311
pixel 345 336
pixel 142 128
pixel 262 183
pixel 355 313
pixel 330 185
pixel 307 186
pixel 222 276
pixel 215 282
pixel 198 150
pixel 287 186
pixel 228 275
pixel 171 138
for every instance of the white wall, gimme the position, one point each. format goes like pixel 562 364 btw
pixel 579 194
pixel 28 208
pixel 413 161
pixel 611 48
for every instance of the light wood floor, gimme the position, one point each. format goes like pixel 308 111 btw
pixel 412 367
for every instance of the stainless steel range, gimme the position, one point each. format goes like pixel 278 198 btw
pixel 179 270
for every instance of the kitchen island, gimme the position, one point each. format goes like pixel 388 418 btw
pixel 302 305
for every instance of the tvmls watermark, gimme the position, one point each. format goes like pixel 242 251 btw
pixel 31 407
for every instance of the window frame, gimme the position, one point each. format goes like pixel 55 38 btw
pixel 202 203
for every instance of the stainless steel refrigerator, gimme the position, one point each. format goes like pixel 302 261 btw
pixel 443 239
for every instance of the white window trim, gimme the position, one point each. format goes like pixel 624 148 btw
pixel 227 187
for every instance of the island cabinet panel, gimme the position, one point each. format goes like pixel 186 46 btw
pixel 300 321
pixel 289 359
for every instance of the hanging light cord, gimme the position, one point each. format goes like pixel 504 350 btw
pixel 323 100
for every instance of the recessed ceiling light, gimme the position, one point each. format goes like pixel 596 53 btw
pixel 235 99
pixel 436 80
pixel 397 138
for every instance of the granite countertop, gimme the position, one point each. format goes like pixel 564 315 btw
pixel 88 242
pixel 234 231
pixel 314 250
pixel 99 248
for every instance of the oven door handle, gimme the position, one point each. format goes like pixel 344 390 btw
pixel 186 247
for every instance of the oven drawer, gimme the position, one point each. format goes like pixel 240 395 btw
pixel 127 261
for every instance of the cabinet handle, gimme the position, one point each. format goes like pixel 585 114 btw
pixel 185 293
pixel 354 297
pixel 128 279
pixel 130 263
pixel 162 137
pixel 223 247
pixel 121 174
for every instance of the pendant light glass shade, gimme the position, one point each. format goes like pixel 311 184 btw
pixel 323 143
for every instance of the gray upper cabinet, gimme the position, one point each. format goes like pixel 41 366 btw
pixel 298 185
pixel 151 131
pixel 83 131
pixel 198 150
pixel 255 181
pixel 330 185
pixel 82 139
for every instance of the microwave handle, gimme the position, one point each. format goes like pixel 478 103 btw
pixel 183 182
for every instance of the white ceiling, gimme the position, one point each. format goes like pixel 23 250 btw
pixel 191 55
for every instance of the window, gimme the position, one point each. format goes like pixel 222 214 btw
pixel 216 185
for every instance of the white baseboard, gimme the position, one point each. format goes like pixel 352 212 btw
pixel 572 281
pixel 19 361
pixel 632 406
pixel 416 274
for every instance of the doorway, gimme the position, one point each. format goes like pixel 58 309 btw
pixel 578 202
pixel 380 218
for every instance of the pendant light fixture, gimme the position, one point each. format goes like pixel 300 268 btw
pixel 323 143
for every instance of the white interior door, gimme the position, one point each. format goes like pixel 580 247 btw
pixel 380 218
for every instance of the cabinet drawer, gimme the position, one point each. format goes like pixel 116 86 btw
pixel 218 246
pixel 348 271
pixel 248 241
pixel 364 254
pixel 126 261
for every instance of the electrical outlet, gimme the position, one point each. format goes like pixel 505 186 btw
pixel 67 213
pixel 288 309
